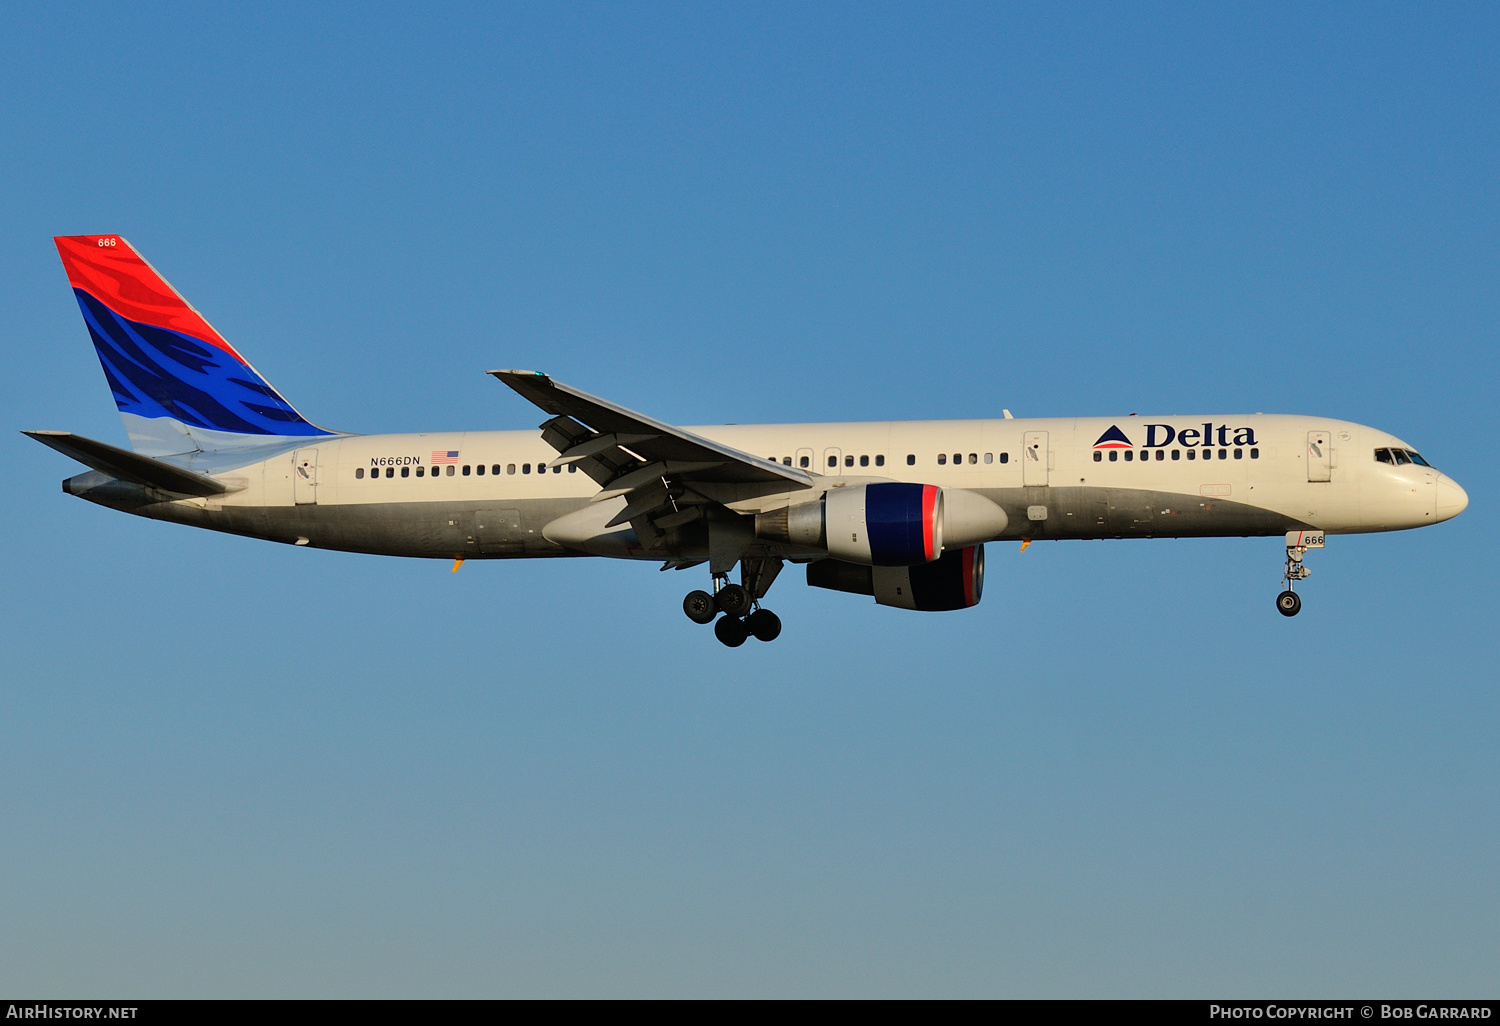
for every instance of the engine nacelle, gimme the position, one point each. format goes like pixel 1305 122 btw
pixel 895 524
pixel 886 523
pixel 955 581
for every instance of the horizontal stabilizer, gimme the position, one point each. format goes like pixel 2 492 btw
pixel 127 465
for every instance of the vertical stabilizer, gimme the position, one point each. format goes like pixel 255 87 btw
pixel 179 385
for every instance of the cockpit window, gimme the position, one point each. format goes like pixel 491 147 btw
pixel 1419 461
pixel 1384 456
pixel 1401 457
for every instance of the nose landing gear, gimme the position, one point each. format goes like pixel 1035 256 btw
pixel 740 603
pixel 1289 603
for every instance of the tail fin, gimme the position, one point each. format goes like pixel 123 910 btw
pixel 179 386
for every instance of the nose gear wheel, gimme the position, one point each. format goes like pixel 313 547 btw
pixel 1289 603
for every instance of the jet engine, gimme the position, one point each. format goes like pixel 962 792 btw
pixel 886 523
pixel 954 581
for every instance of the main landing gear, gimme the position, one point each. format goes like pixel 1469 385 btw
pixel 743 617
pixel 1289 603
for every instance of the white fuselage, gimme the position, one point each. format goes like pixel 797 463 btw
pixel 1262 474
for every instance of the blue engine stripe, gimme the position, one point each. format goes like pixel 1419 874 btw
pixel 893 519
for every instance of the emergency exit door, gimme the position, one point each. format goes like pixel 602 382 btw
pixel 1319 456
pixel 1034 459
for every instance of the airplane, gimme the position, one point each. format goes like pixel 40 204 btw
pixel 899 511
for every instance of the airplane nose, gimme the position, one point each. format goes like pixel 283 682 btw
pixel 1451 499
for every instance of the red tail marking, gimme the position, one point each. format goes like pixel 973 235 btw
pixel 107 268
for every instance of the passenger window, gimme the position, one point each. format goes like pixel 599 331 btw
pixel 1129 455
pixel 806 461
pixel 1208 454
pixel 1098 457
pixel 479 470
pixel 1383 456
pixel 406 472
pixel 1005 457
pixel 942 459
pixel 1223 454
pixel 989 457
pixel 833 461
pixel 451 468
pixel 1192 454
pixel 390 471
pixel 510 468
pixel 421 471
pixel 786 461
pixel 466 470
pixel 1401 457
pixel 864 461
pixel 1177 454
pixel 973 457
pixel 572 468
pixel 1161 454
pixel 911 459
pixel 526 468
pixel 1239 454
pixel 848 461
pixel 958 458
pixel 880 461
pixel 1255 454
pixel 557 469
pixel 359 473
pixel 1114 456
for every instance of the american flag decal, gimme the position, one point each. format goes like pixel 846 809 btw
pixel 444 456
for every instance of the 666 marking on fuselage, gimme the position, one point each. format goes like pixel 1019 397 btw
pixel 395 461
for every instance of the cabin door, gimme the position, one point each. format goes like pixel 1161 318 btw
pixel 1319 456
pixel 305 477
pixel 1034 459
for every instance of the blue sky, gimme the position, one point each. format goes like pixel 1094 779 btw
pixel 237 769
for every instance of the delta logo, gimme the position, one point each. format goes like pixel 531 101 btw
pixel 1114 438
pixel 1159 435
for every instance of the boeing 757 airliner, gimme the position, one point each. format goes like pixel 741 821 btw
pixel 899 511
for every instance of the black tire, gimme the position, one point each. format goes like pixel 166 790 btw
pixel 734 600
pixel 764 625
pixel 699 607
pixel 1288 603
pixel 731 631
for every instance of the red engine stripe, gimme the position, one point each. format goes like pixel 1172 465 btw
pixel 929 520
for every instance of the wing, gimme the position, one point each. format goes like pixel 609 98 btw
pixel 669 476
